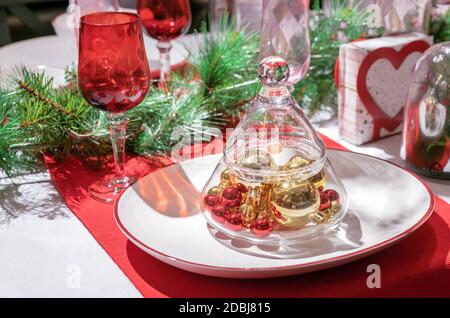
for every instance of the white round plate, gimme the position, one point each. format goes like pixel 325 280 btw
pixel 57 73
pixel 161 215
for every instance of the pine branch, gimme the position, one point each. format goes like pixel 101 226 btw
pixel 318 90
pixel 223 79
pixel 440 28
pixel 34 92
pixel 227 64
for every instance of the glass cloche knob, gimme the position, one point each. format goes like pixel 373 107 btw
pixel 273 71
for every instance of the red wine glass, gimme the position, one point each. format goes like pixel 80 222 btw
pixel 114 76
pixel 165 20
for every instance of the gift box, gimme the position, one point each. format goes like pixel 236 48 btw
pixel 373 84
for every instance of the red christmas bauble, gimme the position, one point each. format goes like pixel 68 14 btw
pixel 231 197
pixel 242 188
pixel 325 202
pixel 233 221
pixel 219 213
pixel 232 203
pixel 211 200
pixel 231 193
pixel 261 227
pixel 332 195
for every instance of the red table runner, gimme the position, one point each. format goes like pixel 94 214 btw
pixel 418 266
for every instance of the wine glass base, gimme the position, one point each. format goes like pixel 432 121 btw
pixel 108 190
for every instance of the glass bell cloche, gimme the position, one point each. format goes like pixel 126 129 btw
pixel 426 130
pixel 274 184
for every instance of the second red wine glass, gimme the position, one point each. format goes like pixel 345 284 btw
pixel 165 20
pixel 114 76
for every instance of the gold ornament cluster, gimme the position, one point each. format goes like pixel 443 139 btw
pixel 268 206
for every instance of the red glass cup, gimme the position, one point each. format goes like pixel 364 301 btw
pixel 114 76
pixel 165 20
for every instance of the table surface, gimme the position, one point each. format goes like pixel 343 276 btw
pixel 47 252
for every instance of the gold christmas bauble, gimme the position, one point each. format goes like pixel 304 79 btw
pixel 320 179
pixel 253 196
pixel 249 209
pixel 295 202
pixel 264 206
pixel 216 191
pixel 257 159
pixel 226 177
pixel 249 214
pixel 296 162
pixel 336 206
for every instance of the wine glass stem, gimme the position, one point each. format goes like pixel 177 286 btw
pixel 118 133
pixel 164 59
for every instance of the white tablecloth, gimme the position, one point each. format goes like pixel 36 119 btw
pixel 46 251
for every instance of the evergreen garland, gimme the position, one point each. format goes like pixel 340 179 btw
pixel 218 83
pixel 440 28
pixel 318 90
pixel 37 118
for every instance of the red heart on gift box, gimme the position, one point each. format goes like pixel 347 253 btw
pixel 396 58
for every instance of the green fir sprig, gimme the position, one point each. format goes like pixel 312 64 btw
pixel 440 28
pixel 342 24
pixel 38 118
